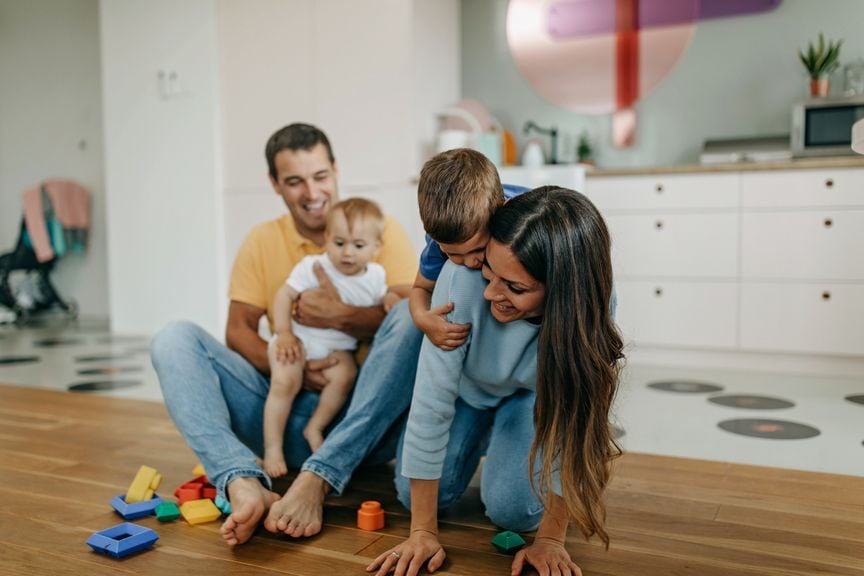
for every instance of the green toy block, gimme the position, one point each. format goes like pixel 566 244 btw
pixel 508 542
pixel 167 512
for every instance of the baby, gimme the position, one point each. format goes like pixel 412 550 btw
pixel 353 237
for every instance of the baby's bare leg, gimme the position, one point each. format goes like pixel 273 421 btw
pixel 333 397
pixel 285 380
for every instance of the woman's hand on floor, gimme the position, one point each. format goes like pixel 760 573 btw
pixel 407 559
pixel 547 556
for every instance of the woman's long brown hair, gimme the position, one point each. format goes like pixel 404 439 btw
pixel 562 241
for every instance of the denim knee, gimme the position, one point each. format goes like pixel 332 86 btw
pixel 399 321
pixel 521 517
pixel 172 337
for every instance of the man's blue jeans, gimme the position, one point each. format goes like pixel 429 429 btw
pixel 216 399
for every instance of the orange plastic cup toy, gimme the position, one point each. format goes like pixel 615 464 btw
pixel 370 516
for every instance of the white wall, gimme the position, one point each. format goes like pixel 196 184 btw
pixel 371 74
pixel 162 164
pixel 51 126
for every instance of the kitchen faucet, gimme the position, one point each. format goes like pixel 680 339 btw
pixel 552 132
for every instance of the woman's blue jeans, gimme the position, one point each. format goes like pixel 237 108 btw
pixel 504 435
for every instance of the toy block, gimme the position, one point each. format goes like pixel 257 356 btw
pixel 188 491
pixel 208 492
pixel 508 542
pixel 145 483
pixel 370 516
pixel 223 505
pixel 122 540
pixel 167 512
pixel 136 509
pixel 200 511
pixel 198 470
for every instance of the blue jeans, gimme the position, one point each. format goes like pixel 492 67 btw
pixel 504 434
pixel 379 405
pixel 216 399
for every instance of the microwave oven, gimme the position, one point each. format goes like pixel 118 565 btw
pixel 823 126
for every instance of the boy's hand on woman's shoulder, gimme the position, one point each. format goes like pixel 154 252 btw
pixel 446 335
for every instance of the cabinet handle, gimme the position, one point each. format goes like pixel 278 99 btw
pixel 658 224
pixel 659 188
pixel 826 295
pixel 829 183
pixel 658 292
pixel 828 222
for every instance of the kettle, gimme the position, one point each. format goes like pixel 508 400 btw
pixel 533 156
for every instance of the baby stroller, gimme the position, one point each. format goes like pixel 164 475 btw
pixel 56 221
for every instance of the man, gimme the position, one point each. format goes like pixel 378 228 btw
pixel 216 394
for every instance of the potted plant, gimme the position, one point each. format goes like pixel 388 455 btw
pixel 820 61
pixel 584 149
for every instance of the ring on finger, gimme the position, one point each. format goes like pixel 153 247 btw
pixel 396 555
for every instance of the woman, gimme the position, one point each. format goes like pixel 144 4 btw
pixel 547 327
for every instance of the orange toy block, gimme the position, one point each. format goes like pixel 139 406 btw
pixel 200 511
pixel 370 516
pixel 145 483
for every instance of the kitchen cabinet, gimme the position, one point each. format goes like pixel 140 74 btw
pixel 675 256
pixel 739 260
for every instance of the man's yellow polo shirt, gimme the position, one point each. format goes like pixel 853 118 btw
pixel 271 250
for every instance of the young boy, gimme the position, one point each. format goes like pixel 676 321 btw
pixel 457 194
pixel 353 238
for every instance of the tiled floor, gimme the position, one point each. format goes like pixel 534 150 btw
pixel 679 414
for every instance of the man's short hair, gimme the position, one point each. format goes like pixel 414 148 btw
pixel 357 210
pixel 459 190
pixel 295 136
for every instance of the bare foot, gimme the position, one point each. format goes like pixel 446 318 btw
pixel 274 464
pixel 249 501
pixel 314 436
pixel 300 512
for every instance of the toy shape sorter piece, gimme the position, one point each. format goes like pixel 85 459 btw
pixel 199 470
pixel 136 509
pixel 122 540
pixel 223 505
pixel 508 542
pixel 167 512
pixel 145 483
pixel 370 516
pixel 200 511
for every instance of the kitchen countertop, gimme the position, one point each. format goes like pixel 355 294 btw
pixel 796 164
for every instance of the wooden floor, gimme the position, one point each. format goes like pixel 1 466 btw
pixel 63 456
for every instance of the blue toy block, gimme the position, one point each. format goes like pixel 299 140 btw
pixel 122 540
pixel 136 510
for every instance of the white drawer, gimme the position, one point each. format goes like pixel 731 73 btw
pixel 824 319
pixel 682 245
pixel 664 192
pixel 690 314
pixel 794 188
pixel 824 244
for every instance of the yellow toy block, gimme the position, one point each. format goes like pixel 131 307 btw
pixel 199 470
pixel 200 511
pixel 145 483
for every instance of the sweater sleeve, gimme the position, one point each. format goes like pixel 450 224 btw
pixel 435 391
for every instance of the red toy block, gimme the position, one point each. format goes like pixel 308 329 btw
pixel 209 492
pixel 188 491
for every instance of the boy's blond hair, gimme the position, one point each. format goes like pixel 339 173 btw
pixel 357 210
pixel 459 191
